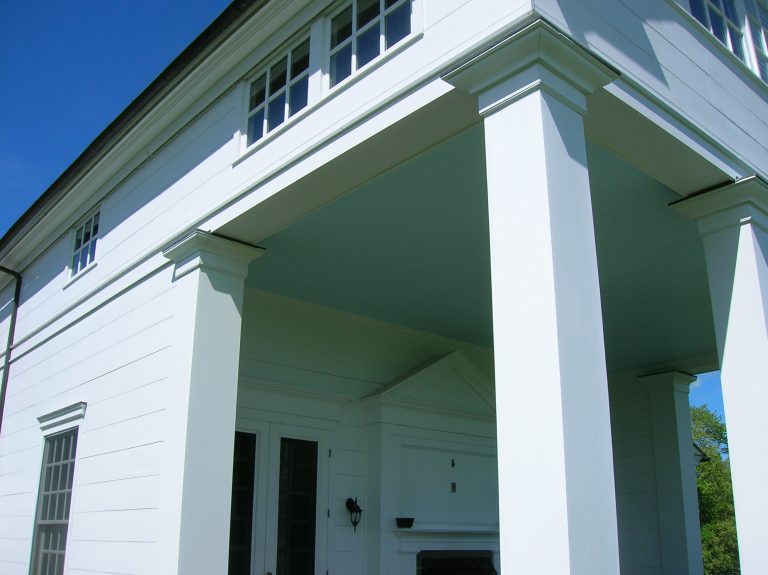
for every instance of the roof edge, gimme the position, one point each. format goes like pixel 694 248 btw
pixel 230 19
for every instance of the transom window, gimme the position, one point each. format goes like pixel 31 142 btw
pixel 280 91
pixel 741 26
pixel 84 251
pixel 52 519
pixel 362 30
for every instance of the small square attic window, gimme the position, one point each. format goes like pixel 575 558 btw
pixel 84 251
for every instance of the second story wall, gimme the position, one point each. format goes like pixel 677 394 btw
pixel 662 50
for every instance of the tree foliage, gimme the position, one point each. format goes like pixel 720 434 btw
pixel 713 481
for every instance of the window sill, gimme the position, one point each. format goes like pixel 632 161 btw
pixel 329 95
pixel 73 279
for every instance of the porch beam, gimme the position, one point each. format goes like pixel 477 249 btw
pixel 556 490
pixel 208 281
pixel 733 223
pixel 675 467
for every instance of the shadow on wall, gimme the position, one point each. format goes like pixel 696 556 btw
pixel 607 27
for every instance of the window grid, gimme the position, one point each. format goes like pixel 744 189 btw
pixel 279 92
pixel 741 26
pixel 363 30
pixel 54 502
pixel 757 18
pixel 721 17
pixel 86 237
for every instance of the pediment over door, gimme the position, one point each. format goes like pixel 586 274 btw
pixel 449 383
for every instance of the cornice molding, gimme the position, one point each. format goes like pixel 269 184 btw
pixel 658 382
pixel 742 202
pixel 200 249
pixel 62 418
pixel 536 57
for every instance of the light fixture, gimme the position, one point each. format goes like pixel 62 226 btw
pixel 354 512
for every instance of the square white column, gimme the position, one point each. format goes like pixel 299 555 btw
pixel 733 222
pixel 556 489
pixel 208 281
pixel 675 466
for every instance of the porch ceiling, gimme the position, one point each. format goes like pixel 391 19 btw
pixel 411 247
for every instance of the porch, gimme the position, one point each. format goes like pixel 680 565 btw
pixel 531 374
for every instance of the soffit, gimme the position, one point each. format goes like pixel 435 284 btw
pixel 411 247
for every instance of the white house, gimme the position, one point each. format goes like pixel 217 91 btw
pixel 449 260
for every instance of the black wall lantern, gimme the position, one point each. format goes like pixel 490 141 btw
pixel 354 512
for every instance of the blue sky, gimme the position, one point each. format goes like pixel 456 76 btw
pixel 68 68
pixel 706 391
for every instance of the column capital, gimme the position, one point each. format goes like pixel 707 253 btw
pixel 200 249
pixel 679 379
pixel 536 57
pixel 742 202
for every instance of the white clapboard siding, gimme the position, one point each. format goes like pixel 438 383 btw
pixel 120 557
pixel 664 51
pixel 118 360
pixel 320 348
pixel 306 366
pixel 635 476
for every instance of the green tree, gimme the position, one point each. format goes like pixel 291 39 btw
pixel 713 481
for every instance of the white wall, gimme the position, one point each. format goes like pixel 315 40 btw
pixel 116 359
pixel 635 476
pixel 304 371
pixel 657 46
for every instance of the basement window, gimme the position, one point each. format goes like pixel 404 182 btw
pixel 362 30
pixel 85 240
pixel 279 91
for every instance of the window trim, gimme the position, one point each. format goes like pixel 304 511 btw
pixel 277 431
pixel 384 52
pixel 751 59
pixel 757 55
pixel 263 69
pixel 57 422
pixel 71 274
pixel 320 92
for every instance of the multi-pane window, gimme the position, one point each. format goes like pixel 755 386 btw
pixel 280 91
pixel 757 17
pixel 722 19
pixel 362 30
pixel 741 25
pixel 55 497
pixel 86 236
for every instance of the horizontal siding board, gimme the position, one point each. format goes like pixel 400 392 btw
pixel 130 525
pixel 136 462
pixel 132 493
pixel 656 46
pixel 112 557
pixel 123 435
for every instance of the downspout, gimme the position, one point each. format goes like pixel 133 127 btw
pixel 9 344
